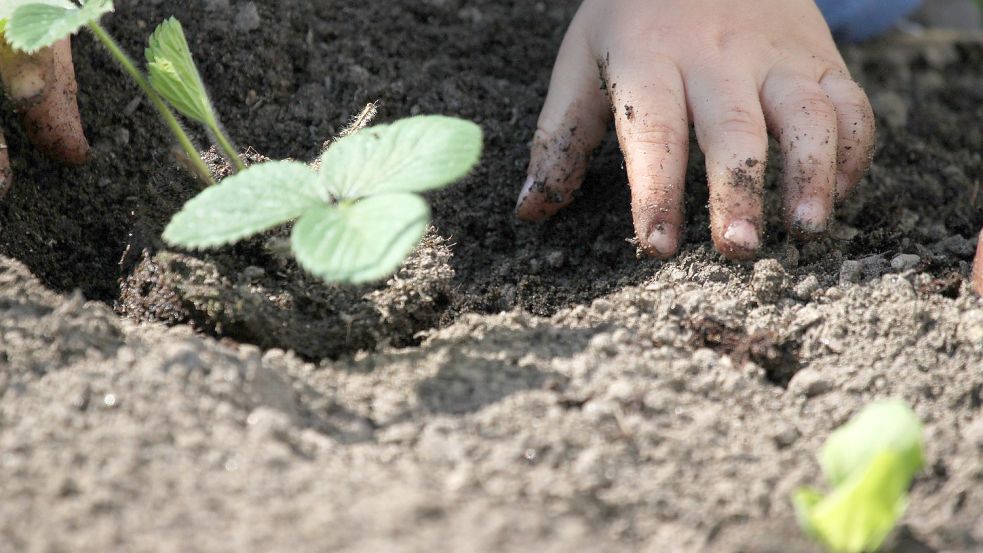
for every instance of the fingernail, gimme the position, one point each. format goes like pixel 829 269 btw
pixel 743 234
pixel 526 188
pixel 663 239
pixel 810 216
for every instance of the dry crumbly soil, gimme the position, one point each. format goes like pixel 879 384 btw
pixel 514 387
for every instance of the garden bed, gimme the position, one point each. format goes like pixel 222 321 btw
pixel 514 387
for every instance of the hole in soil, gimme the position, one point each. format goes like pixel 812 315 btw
pixel 778 358
pixel 947 286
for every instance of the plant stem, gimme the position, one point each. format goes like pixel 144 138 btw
pixel 172 123
pixel 226 145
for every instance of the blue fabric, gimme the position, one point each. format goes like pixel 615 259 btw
pixel 855 20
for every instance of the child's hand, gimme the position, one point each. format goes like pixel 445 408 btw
pixel 736 70
pixel 43 89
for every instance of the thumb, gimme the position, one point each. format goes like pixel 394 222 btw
pixel 43 88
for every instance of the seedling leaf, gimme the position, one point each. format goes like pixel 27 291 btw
pixel 889 425
pixel 411 155
pixel 245 204
pixel 36 25
pixel 870 462
pixel 174 75
pixel 361 241
pixel 8 7
pixel 858 515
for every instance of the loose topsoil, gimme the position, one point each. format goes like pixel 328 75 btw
pixel 513 387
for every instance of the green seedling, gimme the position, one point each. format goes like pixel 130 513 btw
pixel 358 215
pixel 174 75
pixel 29 26
pixel 869 464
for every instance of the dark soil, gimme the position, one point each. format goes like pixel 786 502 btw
pixel 287 86
pixel 514 387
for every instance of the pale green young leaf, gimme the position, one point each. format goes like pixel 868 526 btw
pixel 362 241
pixel 805 500
pixel 8 7
pixel 250 202
pixel 859 514
pixel 411 155
pixel 36 25
pixel 882 426
pixel 174 75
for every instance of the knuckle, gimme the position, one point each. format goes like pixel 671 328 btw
pixel 724 38
pixel 738 121
pixel 815 102
pixel 655 187
pixel 657 134
pixel 856 105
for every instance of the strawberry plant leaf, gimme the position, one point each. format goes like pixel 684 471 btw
pixel 870 461
pixel 361 241
pixel 36 25
pixel 858 516
pixel 411 155
pixel 174 75
pixel 257 199
pixel 8 7
pixel 889 425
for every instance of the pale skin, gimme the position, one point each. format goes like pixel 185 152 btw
pixel 42 88
pixel 734 70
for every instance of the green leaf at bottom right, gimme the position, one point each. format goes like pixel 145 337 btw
pixel 870 462
pixel 858 516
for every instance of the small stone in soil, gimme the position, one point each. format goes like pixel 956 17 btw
pixel 873 266
pixel 555 259
pixel 768 281
pixel 807 288
pixel 850 272
pixel 785 435
pixel 809 383
pixel 247 18
pixel 957 245
pixel 905 262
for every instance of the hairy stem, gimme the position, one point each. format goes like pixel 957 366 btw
pixel 172 123
pixel 226 145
